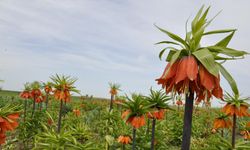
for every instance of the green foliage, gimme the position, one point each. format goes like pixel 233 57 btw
pixel 96 126
pixel 62 82
pixel 136 105
pixel 207 56
pixel 114 86
pixel 236 100
pixel 219 143
pixel 158 99
pixel 50 139
pixel 66 109
pixel 29 129
pixel 34 85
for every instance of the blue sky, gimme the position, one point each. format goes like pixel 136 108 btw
pixel 101 41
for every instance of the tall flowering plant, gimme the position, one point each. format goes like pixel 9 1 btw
pixel 134 114
pixel 25 94
pixel 35 94
pixel 235 107
pixel 63 86
pixel 194 70
pixel 47 89
pixel 114 88
pixel 159 103
pixel 8 120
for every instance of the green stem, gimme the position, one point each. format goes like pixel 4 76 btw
pixel 40 106
pixel 234 131
pixel 25 109
pixel 47 100
pixel 134 136
pixel 148 126
pixel 187 128
pixel 153 134
pixel 34 106
pixel 60 118
pixel 111 102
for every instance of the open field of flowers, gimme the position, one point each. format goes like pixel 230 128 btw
pixel 87 123
pixel 54 115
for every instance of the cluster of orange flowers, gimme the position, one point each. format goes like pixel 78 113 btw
pixel 62 93
pixel 159 114
pixel 48 89
pixel 135 121
pixel 124 139
pixel 77 112
pixel 8 123
pixel 185 74
pixel 35 94
pixel 229 109
pixel 245 134
pixel 113 91
pixel 25 95
pixel 222 123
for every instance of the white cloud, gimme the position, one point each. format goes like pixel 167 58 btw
pixel 111 38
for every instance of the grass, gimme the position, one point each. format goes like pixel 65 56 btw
pixel 96 122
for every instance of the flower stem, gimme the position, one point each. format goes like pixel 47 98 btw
pixel 111 102
pixel 41 106
pixel 47 101
pixel 34 106
pixel 153 134
pixel 134 136
pixel 25 109
pixel 187 128
pixel 148 126
pixel 234 131
pixel 60 118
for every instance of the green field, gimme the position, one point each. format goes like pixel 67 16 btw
pixel 97 128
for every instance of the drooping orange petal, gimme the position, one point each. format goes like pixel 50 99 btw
pixel 192 68
pixel 218 92
pixel 142 121
pixel 125 113
pixel 181 72
pixel 206 79
pixel 1 119
pixel 243 110
pixel 228 124
pixel 8 125
pixel 13 116
pixel 170 70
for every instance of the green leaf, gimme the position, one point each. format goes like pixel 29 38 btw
pixel 188 36
pixel 170 55
pixel 229 79
pixel 223 58
pixel 174 36
pixel 219 31
pixel 207 60
pixel 197 38
pixel 175 56
pixel 202 20
pixel 168 42
pixel 194 22
pixel 227 51
pixel 224 42
pixel 161 53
